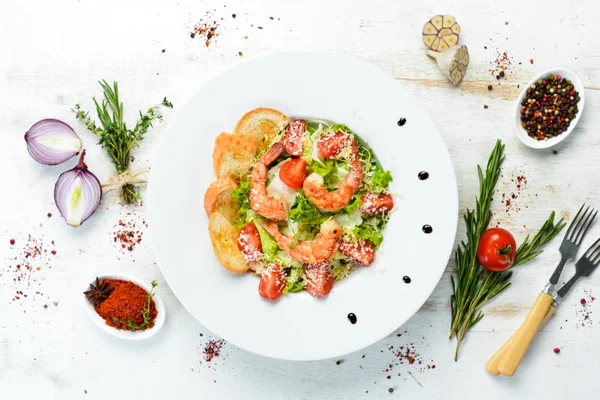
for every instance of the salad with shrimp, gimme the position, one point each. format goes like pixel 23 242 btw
pixel 312 209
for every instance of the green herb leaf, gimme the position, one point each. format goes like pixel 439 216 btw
pixel 113 135
pixel 472 287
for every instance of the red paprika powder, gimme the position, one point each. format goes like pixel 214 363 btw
pixel 128 306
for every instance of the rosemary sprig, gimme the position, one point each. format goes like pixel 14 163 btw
pixel 473 287
pixel 145 313
pixel 113 135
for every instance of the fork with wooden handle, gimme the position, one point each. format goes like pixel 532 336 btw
pixel 507 359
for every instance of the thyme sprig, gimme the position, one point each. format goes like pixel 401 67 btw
pixel 113 135
pixel 472 286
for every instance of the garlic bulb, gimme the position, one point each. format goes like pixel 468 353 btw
pixel 441 32
pixel 452 62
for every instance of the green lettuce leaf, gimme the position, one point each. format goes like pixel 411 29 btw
pixel 305 212
pixel 381 179
pixel 354 204
pixel 241 196
pixel 269 244
pixel 294 281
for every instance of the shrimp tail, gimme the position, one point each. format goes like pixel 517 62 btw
pixel 272 154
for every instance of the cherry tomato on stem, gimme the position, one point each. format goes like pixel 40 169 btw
pixel 496 251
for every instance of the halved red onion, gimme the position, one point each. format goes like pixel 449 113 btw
pixel 77 193
pixel 52 142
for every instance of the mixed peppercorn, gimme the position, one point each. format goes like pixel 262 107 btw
pixel 549 107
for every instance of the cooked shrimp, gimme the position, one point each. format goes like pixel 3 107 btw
pixel 325 244
pixel 318 194
pixel 270 207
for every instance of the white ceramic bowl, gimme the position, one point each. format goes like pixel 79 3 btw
pixel 544 144
pixel 307 84
pixel 125 334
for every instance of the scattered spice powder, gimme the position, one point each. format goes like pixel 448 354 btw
pixel 406 357
pixel 501 65
pixel 124 306
pixel 128 233
pixel 206 28
pixel 583 310
pixel 514 188
pixel 210 350
pixel 23 271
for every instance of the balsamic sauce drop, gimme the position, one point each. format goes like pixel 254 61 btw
pixel 427 228
pixel 401 121
pixel 406 279
pixel 352 318
pixel 423 175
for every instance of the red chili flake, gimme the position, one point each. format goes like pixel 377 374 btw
pixel 22 266
pixel 531 61
pixel 53 252
pixel 582 301
pixel 485 106
pixel 506 23
pixel 49 215
pixel 210 351
pixel 129 232
pixel 501 65
pixel 206 28
pixel 163 50
pixel 12 241
pixel 556 350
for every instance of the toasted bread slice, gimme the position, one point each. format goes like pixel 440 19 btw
pixel 233 155
pixel 264 123
pixel 218 190
pixel 223 233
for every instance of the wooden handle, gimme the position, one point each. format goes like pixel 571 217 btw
pixel 494 362
pixel 515 351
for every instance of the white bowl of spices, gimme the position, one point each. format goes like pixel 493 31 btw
pixel 124 307
pixel 549 108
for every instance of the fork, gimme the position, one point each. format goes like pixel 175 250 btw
pixel 507 359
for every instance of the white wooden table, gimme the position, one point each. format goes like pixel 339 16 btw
pixel 53 52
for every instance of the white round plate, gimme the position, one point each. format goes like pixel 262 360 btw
pixel 306 84
pixel 121 333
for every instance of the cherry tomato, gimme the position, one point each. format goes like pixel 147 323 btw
pixel 249 243
pixel 293 139
pixel 496 251
pixel 332 144
pixel 373 204
pixel 362 251
pixel 293 172
pixel 272 282
pixel 319 279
